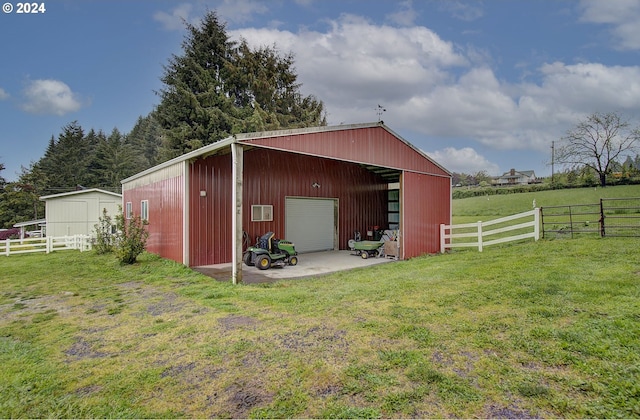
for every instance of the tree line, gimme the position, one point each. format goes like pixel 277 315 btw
pixel 625 172
pixel 215 88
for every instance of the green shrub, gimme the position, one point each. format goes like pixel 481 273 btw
pixel 131 239
pixel 105 238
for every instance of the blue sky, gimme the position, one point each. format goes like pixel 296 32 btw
pixel 478 85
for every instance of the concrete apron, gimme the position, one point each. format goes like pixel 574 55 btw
pixel 309 265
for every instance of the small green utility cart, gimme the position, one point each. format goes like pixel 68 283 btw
pixel 366 249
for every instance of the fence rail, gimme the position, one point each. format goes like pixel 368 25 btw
pixel 529 229
pixel 610 217
pixel 47 244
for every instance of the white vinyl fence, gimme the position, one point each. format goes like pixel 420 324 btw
pixel 47 244
pixel 530 229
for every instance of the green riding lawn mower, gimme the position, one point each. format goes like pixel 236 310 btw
pixel 269 252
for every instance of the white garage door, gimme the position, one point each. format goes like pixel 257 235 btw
pixel 310 223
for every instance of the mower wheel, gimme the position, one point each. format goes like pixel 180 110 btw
pixel 364 255
pixel 293 260
pixel 247 259
pixel 263 262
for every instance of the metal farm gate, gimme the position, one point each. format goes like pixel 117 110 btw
pixel 610 217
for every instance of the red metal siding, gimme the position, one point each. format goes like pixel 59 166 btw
pixel 426 203
pixel 269 177
pixel 210 215
pixel 165 215
pixel 372 145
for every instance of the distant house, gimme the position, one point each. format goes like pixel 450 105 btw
pixel 76 212
pixel 514 177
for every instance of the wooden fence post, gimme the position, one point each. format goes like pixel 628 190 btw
pixel 7 246
pixel 536 225
pixel 480 236
pixel 442 241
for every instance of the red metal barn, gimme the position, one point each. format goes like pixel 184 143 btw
pixel 314 186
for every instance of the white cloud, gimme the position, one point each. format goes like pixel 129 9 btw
pixel 3 95
pixel 465 160
pixel 583 86
pixel 174 21
pixel 622 15
pixel 50 97
pixel 240 11
pixel 355 63
pixel 467 11
pixel 237 11
pixel 405 16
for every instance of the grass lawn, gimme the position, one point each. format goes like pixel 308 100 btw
pixel 534 329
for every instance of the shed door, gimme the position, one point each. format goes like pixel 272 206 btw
pixel 310 223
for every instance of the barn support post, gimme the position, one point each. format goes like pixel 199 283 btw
pixel 186 210
pixel 236 218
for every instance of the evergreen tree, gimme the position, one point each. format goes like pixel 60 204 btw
pixel 3 181
pixel 20 201
pixel 219 87
pixel 264 85
pixel 194 110
pixel 88 176
pixel 146 137
pixel 115 160
pixel 66 161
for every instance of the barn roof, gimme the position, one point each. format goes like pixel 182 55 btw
pixel 274 139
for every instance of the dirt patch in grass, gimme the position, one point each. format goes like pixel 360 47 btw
pixel 243 397
pixel 314 338
pixel 329 391
pixel 82 349
pixel 233 322
pixel 157 302
pixel 178 369
pixel 510 412
pixel 28 306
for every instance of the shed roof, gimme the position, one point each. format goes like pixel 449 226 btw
pixel 90 190
pixel 254 139
pixel 30 223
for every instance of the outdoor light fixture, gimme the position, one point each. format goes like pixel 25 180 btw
pixel 315 185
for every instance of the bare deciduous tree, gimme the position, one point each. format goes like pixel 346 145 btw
pixel 597 142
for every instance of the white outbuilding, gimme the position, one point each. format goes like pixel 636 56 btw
pixel 77 212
